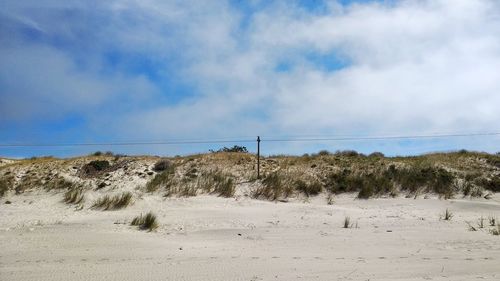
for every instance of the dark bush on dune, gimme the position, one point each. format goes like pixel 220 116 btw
pixel 162 165
pixel 95 167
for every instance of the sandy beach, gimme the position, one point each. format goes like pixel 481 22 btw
pixel 212 238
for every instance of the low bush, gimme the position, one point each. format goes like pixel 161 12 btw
pixel 162 165
pixel 116 202
pixel 492 184
pixel 95 167
pixel 416 177
pixel 147 222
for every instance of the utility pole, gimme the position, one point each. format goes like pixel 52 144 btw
pixel 258 157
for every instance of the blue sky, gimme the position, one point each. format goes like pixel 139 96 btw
pixel 107 71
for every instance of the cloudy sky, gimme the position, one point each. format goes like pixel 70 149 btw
pixel 153 70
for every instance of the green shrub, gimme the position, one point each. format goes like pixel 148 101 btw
pixel 492 184
pixel 147 222
pixel 118 201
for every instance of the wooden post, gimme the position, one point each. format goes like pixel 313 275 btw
pixel 258 157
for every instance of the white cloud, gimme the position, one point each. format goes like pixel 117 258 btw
pixel 413 67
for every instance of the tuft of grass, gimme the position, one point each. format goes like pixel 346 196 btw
pixel 495 231
pixel 74 196
pixel 447 215
pixel 308 188
pixel 216 182
pixel 347 222
pixel 471 227
pixel 492 220
pixel 163 179
pixel 4 186
pixel 273 188
pixel 480 223
pixel 116 202
pixel 329 199
pixel 60 183
pixel 147 222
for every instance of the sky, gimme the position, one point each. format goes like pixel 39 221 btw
pixel 94 71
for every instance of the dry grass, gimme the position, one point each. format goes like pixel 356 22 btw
pixel 147 222
pixel 447 216
pixel 74 196
pixel 495 231
pixel 347 222
pixel 162 180
pixel 116 202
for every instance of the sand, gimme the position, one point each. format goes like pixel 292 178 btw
pixel 211 238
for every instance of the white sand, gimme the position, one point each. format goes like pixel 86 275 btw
pixel 210 238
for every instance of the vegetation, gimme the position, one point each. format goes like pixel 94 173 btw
pixel 116 202
pixel 347 222
pixel 147 222
pixel 163 179
pixel 217 182
pixel 95 167
pixel 4 186
pixel 447 215
pixel 74 196
pixel 162 165
pixel 273 187
pixel 235 148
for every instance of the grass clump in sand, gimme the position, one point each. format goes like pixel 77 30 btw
pixel 74 196
pixel 147 222
pixel 447 216
pixel 116 202
pixel 347 222
pixel 495 231
pixel 492 220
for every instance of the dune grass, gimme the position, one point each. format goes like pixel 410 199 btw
pixel 447 216
pixel 74 196
pixel 347 222
pixel 147 222
pixel 116 202
pixel 163 179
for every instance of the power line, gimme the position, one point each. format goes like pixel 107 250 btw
pixel 263 139
pixel 382 137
